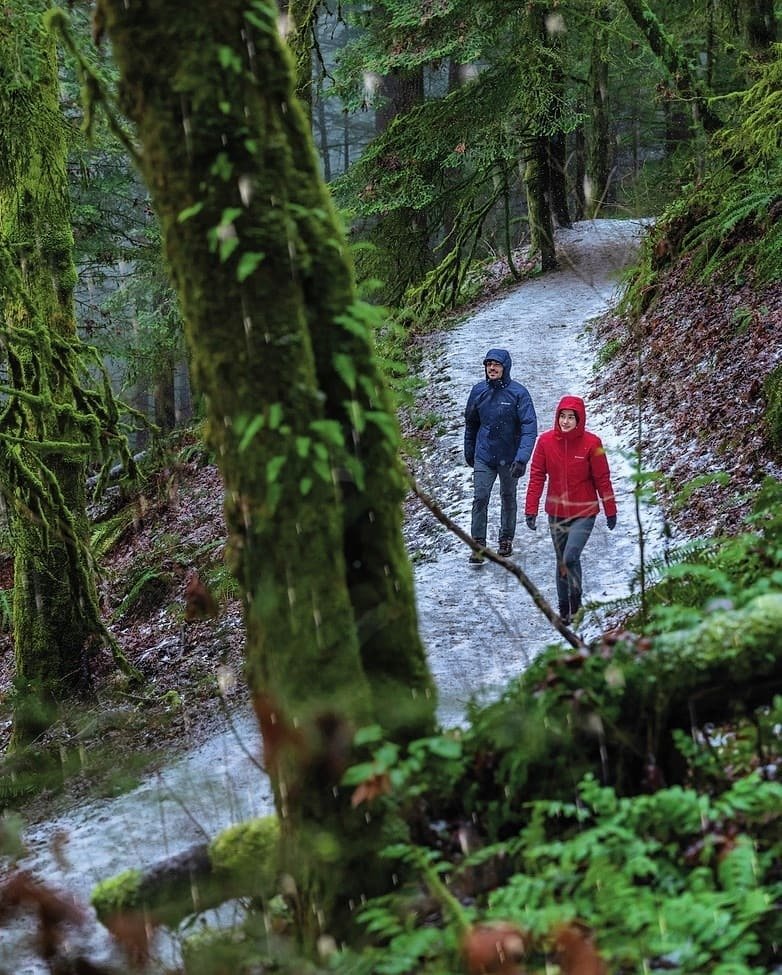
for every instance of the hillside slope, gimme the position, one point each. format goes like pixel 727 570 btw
pixel 695 368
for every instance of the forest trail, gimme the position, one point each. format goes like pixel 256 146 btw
pixel 479 626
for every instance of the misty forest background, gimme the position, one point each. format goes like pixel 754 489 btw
pixel 223 229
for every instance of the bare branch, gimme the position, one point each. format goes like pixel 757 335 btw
pixel 537 597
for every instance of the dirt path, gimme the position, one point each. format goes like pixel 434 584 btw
pixel 480 628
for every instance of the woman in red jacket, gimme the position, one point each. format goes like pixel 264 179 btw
pixel 575 464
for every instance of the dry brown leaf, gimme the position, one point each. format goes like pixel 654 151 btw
pixel 494 949
pixel 371 788
pixel 200 604
pixel 576 951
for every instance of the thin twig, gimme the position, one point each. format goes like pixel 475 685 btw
pixel 537 597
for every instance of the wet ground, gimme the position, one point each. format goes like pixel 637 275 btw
pixel 479 627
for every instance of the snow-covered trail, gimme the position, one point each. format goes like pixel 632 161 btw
pixel 479 626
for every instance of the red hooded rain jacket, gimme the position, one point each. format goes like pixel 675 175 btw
pixel 576 466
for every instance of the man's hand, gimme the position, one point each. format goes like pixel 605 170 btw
pixel 517 468
pixel 611 522
pixel 532 522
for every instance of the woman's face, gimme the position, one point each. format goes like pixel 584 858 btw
pixel 567 420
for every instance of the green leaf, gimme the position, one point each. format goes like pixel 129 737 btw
pixel 385 422
pixel 357 774
pixel 190 211
pixel 345 369
pixel 303 446
pixel 275 415
pixel 223 169
pixel 250 431
pixel 305 486
pixel 227 246
pixel 248 262
pixel 368 735
pixel 229 59
pixel 330 431
pixel 273 468
pixel 323 470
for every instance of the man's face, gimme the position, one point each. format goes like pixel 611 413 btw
pixel 494 369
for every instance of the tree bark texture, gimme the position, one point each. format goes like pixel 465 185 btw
pixel 599 167
pixel 539 211
pixel 298 411
pixel 55 600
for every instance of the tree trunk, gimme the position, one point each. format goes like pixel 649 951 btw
pixel 557 178
pixel 580 154
pixel 300 35
pixel 55 612
pixel 599 165
pixel 165 400
pixel 540 222
pixel 675 63
pixel 556 150
pixel 401 236
pixel 297 412
pixel 761 24
pixel 239 862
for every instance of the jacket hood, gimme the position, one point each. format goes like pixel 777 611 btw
pixel 503 357
pixel 576 404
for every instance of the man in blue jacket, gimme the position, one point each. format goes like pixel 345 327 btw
pixel 499 434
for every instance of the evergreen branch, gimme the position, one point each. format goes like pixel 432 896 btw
pixel 663 47
pixel 94 86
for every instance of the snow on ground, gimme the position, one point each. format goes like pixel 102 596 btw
pixel 479 626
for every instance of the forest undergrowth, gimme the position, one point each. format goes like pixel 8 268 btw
pixel 633 807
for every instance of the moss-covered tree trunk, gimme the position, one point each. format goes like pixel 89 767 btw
pixel 541 224
pixel 55 600
pixel 298 411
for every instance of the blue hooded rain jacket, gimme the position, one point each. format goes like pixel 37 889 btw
pixel 500 421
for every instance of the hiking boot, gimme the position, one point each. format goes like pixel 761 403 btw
pixel 505 548
pixel 477 558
